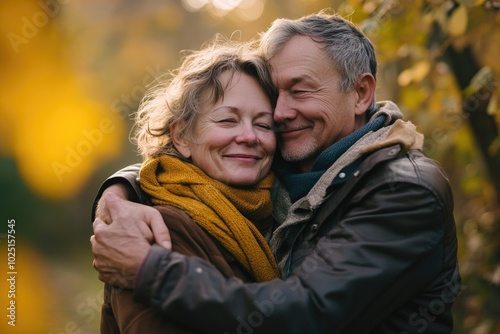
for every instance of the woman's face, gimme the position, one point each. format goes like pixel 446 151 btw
pixel 235 141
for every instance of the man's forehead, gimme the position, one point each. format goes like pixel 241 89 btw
pixel 294 47
pixel 293 65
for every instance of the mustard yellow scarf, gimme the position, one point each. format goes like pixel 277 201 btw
pixel 225 212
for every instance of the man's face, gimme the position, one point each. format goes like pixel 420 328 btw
pixel 311 113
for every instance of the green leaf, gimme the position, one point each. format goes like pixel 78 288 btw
pixel 482 78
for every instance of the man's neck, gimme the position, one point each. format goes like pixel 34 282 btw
pixel 306 165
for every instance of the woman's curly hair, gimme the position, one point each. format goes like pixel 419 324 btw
pixel 197 81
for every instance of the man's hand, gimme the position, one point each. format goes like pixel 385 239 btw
pixel 118 189
pixel 121 244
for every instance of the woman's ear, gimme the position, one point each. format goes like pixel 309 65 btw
pixel 180 142
pixel 366 91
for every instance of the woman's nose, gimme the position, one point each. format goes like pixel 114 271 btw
pixel 247 134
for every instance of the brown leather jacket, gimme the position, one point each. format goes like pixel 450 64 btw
pixel 122 314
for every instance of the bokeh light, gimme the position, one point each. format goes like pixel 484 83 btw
pixel 246 10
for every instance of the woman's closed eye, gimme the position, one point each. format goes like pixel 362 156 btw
pixel 265 126
pixel 227 121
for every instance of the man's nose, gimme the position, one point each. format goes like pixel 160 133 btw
pixel 283 109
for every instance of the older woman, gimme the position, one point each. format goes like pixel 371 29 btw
pixel 208 141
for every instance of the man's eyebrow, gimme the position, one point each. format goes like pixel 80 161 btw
pixel 299 79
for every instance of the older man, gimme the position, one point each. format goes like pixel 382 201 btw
pixel 365 236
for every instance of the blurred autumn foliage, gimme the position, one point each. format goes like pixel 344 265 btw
pixel 73 71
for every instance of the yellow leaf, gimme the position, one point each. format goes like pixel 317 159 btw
pixel 420 70
pixel 471 3
pixel 457 24
pixel 405 77
pixel 492 106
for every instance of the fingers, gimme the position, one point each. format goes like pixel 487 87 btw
pixel 111 205
pixel 120 247
pixel 106 271
pixel 160 230
pixel 102 210
pixel 116 279
pixel 111 197
pixel 97 225
pixel 147 219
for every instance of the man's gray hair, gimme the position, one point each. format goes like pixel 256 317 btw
pixel 349 49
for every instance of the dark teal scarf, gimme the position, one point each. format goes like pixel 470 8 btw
pixel 299 184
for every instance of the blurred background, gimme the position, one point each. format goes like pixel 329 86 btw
pixel 73 71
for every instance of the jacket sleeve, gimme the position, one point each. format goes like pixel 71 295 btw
pixel 377 257
pixel 127 176
pixel 121 314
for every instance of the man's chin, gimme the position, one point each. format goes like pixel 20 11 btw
pixel 291 155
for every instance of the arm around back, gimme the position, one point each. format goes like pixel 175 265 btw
pixel 374 263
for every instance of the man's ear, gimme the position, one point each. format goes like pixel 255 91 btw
pixel 366 91
pixel 180 142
